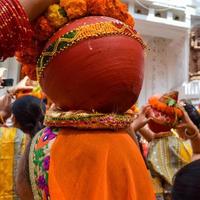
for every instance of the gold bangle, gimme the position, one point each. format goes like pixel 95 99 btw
pixel 189 136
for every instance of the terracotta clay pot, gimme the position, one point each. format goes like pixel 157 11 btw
pixel 164 116
pixel 158 128
pixel 104 74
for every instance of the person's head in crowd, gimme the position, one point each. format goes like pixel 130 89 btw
pixel 28 112
pixel 193 114
pixel 187 182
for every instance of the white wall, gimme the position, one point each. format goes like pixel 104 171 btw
pixel 166 65
pixel 167 60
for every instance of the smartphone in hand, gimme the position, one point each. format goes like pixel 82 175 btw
pixel 7 82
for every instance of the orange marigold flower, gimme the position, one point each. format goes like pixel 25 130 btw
pixel 74 8
pixel 110 8
pixel 97 7
pixel 57 16
pixel 119 10
pixel 178 112
pixel 130 21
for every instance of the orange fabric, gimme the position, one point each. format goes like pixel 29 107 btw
pixel 97 165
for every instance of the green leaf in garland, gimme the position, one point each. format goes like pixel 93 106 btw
pixel 62 12
pixel 171 102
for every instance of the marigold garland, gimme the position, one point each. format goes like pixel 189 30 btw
pixel 59 14
pixel 163 107
pixel 111 8
pixel 74 8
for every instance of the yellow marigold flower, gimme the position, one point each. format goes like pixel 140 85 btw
pixel 56 16
pixel 74 8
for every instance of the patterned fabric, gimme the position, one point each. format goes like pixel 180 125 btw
pixel 82 33
pixel 166 156
pixel 39 161
pixel 12 143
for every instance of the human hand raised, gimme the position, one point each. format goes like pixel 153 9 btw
pixel 141 119
pixel 186 129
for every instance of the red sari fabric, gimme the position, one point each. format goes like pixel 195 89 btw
pixel 97 165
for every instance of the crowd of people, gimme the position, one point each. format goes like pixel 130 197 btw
pixel 98 164
pixel 27 114
pixel 173 156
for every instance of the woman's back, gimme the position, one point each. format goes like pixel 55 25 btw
pixel 93 165
pixel 12 144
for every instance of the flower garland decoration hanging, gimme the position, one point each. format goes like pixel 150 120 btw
pixel 56 16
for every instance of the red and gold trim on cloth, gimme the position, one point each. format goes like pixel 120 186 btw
pixel 15 31
pixel 84 120
pixel 85 32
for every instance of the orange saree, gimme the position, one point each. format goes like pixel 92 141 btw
pixel 97 165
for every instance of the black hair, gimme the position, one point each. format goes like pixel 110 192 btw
pixel 187 182
pixel 29 114
pixel 193 114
